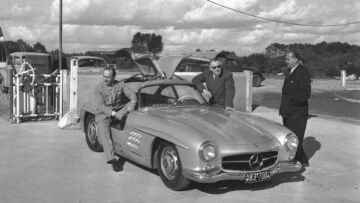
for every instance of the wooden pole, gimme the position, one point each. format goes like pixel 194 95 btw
pixel 60 58
pixel 60 34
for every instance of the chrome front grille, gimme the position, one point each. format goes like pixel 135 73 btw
pixel 250 162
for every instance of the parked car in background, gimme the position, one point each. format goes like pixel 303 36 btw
pixel 174 130
pixel 90 63
pixel 258 78
pixel 230 60
pixel 40 62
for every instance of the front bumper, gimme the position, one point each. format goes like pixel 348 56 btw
pixel 203 177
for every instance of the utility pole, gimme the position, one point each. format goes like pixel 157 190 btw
pixel 60 34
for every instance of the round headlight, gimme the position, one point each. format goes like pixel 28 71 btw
pixel 208 151
pixel 291 142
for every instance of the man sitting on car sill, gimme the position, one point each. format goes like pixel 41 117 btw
pixel 107 96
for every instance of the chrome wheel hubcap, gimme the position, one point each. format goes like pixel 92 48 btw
pixel 92 132
pixel 169 163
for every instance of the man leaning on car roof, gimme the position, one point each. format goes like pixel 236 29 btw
pixel 107 96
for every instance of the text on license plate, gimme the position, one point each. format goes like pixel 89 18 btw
pixel 257 176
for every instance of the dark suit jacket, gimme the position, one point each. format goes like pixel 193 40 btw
pixel 295 94
pixel 222 89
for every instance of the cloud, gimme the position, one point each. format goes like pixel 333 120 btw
pixel 286 10
pixel 21 32
pixel 17 10
pixel 183 24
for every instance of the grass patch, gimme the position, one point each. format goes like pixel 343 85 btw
pixel 349 94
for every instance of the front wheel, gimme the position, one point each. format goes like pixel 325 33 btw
pixel 170 168
pixel 91 134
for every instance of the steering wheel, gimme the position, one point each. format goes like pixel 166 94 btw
pixel 186 97
pixel 27 72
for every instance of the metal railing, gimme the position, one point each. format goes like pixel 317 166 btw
pixel 39 99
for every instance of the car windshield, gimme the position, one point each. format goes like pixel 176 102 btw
pixel 170 95
pixel 91 63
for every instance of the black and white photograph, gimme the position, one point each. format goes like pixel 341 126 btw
pixel 179 101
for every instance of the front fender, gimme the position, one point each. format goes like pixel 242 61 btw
pixel 85 109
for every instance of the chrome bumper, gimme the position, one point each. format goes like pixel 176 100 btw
pixel 203 177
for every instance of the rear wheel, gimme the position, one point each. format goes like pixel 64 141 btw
pixel 91 134
pixel 170 168
pixel 256 81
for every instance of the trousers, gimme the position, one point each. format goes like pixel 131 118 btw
pixel 105 136
pixel 298 126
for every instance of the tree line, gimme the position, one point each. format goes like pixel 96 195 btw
pixel 322 59
pixel 145 43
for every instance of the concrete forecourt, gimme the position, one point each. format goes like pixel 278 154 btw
pixel 42 163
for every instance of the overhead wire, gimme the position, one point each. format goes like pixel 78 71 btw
pixel 283 22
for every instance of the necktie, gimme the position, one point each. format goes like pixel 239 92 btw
pixel 111 95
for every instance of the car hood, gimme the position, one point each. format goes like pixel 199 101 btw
pixel 216 125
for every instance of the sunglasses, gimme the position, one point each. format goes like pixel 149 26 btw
pixel 214 67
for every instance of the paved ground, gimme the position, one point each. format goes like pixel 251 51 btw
pixel 42 163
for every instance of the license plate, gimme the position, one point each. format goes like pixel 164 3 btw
pixel 257 176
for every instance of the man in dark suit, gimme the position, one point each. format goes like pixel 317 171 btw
pixel 294 106
pixel 108 96
pixel 220 88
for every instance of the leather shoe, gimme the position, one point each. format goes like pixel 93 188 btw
pixel 117 165
pixel 305 162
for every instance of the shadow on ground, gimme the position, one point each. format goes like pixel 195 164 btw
pixel 254 107
pixel 311 146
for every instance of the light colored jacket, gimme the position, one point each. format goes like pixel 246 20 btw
pixel 107 99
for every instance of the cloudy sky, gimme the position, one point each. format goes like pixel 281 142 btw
pixel 185 25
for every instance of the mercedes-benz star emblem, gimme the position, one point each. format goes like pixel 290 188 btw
pixel 256 161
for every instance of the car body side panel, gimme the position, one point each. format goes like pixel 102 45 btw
pixel 161 128
pixel 144 130
pixel 133 145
